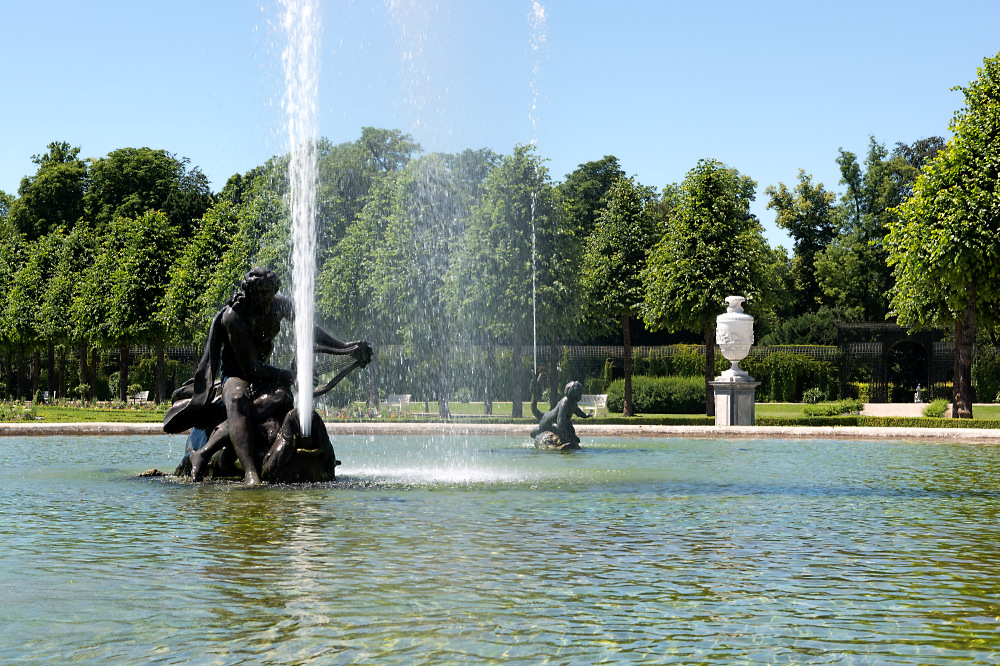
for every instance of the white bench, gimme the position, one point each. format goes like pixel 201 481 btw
pixel 397 400
pixel 139 398
pixel 595 400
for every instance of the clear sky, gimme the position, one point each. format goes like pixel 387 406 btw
pixel 765 87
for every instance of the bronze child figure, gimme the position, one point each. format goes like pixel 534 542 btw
pixel 555 427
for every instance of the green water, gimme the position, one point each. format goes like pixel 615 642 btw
pixel 455 550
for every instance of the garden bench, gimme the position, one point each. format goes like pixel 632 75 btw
pixel 595 400
pixel 139 398
pixel 397 400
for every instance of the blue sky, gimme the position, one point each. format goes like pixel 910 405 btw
pixel 767 87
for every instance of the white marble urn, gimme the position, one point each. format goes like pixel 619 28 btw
pixel 734 335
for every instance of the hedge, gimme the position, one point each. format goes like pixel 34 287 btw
pixel 659 395
pixel 785 376
pixel 878 422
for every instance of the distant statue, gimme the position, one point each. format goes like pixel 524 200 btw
pixel 918 396
pixel 248 412
pixel 555 427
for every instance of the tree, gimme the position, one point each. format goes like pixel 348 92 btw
pixel 944 248
pixel 713 247
pixel 132 181
pixel 53 197
pixel 494 273
pixel 807 213
pixel 582 193
pixel 124 287
pixel 865 212
pixel 74 252
pixel 614 261
pixel 581 198
pixel 424 229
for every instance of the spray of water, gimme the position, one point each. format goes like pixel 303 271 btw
pixel 536 20
pixel 301 66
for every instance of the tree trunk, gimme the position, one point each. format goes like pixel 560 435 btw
pixel 84 372
pixel 965 335
pixel 36 371
pixel 21 388
pixel 554 370
pixel 11 382
pixel 444 388
pixel 709 368
pixel 50 382
pixel 95 363
pixel 123 372
pixel 628 410
pixel 62 372
pixel 371 397
pixel 517 409
pixel 490 365
pixel 160 392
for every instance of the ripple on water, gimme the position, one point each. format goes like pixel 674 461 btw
pixel 481 550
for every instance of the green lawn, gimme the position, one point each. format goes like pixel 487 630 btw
pixel 150 414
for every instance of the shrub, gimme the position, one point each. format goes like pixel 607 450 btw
pixel 659 395
pixel 813 395
pixel 935 409
pixel 833 408
pixel 783 375
pixel 986 373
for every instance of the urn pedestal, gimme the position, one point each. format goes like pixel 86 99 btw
pixel 734 389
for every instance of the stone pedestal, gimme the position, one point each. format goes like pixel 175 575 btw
pixel 734 401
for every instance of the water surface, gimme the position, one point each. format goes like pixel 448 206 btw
pixel 483 550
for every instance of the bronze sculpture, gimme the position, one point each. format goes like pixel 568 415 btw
pixel 248 412
pixel 555 427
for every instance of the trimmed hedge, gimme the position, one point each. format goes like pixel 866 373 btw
pixel 833 408
pixel 660 395
pixel 785 376
pixel 878 422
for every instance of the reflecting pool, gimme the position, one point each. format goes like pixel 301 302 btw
pixel 484 550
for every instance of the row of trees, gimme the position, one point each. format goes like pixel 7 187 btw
pixel 419 251
pixel 423 252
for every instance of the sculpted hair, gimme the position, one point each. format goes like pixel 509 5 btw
pixel 256 278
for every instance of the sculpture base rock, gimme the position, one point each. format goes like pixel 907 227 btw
pixel 551 442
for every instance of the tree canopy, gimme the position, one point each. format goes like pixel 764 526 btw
pixel 713 247
pixel 944 248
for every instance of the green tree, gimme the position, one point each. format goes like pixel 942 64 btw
pixel 852 271
pixel 582 193
pixel 124 287
pixel 614 262
pixel 494 273
pixel 74 252
pixel 352 293
pixel 581 199
pixel 713 247
pixel 23 286
pixel 54 195
pixel 132 181
pixel 944 249
pixel 424 230
pixel 808 214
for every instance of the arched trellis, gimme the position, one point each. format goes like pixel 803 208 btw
pixel 864 354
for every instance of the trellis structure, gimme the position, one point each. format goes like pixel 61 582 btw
pixel 866 348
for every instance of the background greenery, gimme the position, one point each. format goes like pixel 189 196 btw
pixel 109 265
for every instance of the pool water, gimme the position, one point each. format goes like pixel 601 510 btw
pixel 484 550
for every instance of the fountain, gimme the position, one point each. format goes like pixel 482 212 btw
pixel 301 66
pixel 244 423
pixel 639 549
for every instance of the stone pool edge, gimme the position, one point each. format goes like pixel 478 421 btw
pixel 972 435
